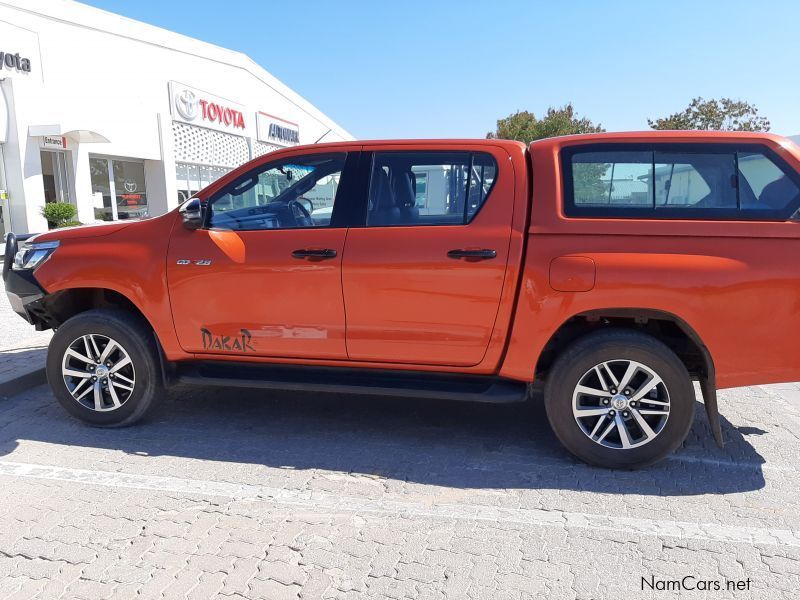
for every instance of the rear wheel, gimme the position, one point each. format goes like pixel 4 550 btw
pixel 102 366
pixel 619 399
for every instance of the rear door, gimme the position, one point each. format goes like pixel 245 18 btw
pixel 423 279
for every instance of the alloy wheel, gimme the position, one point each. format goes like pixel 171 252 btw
pixel 98 372
pixel 621 404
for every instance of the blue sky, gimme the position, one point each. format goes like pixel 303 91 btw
pixel 415 68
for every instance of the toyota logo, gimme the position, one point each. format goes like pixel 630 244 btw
pixel 186 105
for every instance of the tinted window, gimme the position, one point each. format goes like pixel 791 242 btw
pixel 296 192
pixel 613 179
pixel 763 185
pixel 695 180
pixel 670 181
pixel 428 188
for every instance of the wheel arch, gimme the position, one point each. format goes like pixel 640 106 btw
pixel 651 321
pixel 673 330
pixel 56 308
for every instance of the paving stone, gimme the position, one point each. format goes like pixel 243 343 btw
pixel 261 588
pixel 241 494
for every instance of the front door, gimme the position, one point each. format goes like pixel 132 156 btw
pixel 55 175
pixel 423 279
pixel 264 277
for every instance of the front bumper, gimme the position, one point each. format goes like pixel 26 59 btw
pixel 22 288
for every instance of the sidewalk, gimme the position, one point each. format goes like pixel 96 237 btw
pixel 22 350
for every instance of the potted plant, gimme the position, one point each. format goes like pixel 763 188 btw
pixel 60 214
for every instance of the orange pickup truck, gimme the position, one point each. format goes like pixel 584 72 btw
pixel 615 268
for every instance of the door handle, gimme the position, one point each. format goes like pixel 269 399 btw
pixel 482 254
pixel 319 253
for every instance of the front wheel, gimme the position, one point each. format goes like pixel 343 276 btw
pixel 619 399
pixel 103 368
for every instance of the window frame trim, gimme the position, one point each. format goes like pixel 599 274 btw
pixel 350 163
pixel 571 211
pixel 370 161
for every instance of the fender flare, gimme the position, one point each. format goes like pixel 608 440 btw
pixel 707 380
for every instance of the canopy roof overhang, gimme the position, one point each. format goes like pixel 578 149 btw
pixel 82 136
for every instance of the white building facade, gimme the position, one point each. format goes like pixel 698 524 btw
pixel 123 119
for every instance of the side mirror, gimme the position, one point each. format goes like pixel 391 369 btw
pixel 307 204
pixel 193 213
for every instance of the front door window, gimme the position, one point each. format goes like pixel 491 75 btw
pixel 297 192
pixel 119 189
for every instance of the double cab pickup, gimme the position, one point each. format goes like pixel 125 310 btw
pixel 615 269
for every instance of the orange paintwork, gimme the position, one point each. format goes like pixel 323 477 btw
pixel 737 284
pixel 292 307
pixel 408 303
pixel 392 298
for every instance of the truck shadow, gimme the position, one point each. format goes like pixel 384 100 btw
pixel 458 445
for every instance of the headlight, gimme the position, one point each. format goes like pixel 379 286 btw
pixel 32 255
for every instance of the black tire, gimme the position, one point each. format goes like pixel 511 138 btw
pixel 136 337
pixel 610 345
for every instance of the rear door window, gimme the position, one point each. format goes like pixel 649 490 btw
pixel 428 187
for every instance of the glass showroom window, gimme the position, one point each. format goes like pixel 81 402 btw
pixel 193 178
pixel 129 184
pixel 119 189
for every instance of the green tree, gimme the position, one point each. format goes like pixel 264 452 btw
pixel 719 115
pixel 526 127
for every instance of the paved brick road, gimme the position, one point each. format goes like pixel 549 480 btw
pixel 235 494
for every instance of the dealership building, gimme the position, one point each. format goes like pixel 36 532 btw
pixel 123 119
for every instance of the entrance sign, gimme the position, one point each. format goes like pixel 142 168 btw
pixel 52 142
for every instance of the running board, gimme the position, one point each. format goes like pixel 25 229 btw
pixel 409 384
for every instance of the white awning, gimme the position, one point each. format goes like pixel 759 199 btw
pixel 83 136
pixel 86 136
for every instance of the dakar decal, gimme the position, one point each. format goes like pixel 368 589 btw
pixel 240 343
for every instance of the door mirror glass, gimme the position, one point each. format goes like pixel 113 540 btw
pixel 307 204
pixel 193 214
